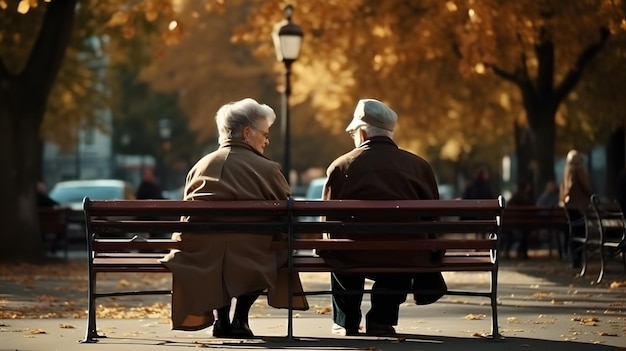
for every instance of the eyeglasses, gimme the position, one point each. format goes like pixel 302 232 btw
pixel 266 135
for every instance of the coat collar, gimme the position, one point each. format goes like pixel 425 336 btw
pixel 239 143
pixel 377 140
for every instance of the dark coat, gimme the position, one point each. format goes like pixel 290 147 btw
pixel 149 190
pixel 379 170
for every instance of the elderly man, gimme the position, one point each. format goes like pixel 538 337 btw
pixel 376 169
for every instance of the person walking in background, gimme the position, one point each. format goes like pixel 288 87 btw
pixel 480 186
pixel 43 199
pixel 376 169
pixel 575 195
pixel 550 198
pixel 210 270
pixel 550 195
pixel 521 197
pixel 148 188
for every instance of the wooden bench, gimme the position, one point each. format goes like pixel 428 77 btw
pixel 53 223
pixel 552 219
pixel 135 253
pixel 600 231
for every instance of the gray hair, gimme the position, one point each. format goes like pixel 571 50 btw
pixel 234 116
pixel 375 131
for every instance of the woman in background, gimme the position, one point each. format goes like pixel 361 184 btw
pixel 575 195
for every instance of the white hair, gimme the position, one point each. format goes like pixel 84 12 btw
pixel 234 116
pixel 375 131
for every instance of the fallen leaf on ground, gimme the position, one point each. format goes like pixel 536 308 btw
pixel 475 316
pixel 323 310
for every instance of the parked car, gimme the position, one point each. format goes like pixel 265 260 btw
pixel 174 194
pixel 71 193
pixel 315 188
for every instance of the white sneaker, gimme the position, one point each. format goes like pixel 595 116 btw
pixel 339 330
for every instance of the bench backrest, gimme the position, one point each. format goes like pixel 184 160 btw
pixel 110 219
pixel 398 216
pixel 611 219
pixel 124 216
pixel 534 217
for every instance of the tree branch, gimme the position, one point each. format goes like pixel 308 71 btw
pixel 573 75
pixel 520 76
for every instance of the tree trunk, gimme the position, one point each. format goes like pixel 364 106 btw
pixel 18 215
pixel 524 152
pixel 23 99
pixel 615 159
pixel 544 137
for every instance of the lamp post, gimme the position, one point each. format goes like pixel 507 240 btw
pixel 287 38
pixel 165 131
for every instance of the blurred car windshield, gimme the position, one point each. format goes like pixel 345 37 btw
pixel 76 194
pixel 315 189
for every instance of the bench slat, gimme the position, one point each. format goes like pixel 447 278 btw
pixel 130 226
pixel 178 208
pixel 449 264
pixel 347 244
pixel 303 264
pixel 465 226
pixel 126 245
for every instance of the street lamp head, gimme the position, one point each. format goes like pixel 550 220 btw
pixel 287 37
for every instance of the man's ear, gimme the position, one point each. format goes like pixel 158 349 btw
pixel 363 134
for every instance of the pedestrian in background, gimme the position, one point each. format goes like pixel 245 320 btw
pixel 149 188
pixel 575 195
pixel 521 197
pixel 550 198
pixel 550 195
pixel 480 186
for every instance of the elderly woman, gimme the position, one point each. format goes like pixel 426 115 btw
pixel 209 270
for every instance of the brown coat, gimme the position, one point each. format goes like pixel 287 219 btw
pixel 575 190
pixel 211 269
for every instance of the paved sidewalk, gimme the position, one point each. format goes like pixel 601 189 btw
pixel 543 306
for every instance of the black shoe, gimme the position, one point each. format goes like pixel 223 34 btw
pixel 221 329
pixel 376 329
pixel 240 329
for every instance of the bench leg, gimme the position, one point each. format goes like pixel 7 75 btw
pixel 91 334
pixel 495 331
pixel 602 263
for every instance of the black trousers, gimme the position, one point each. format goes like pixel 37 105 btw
pixel 385 307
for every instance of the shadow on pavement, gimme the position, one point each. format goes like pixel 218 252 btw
pixel 403 342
